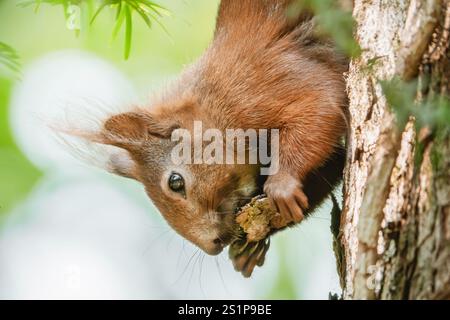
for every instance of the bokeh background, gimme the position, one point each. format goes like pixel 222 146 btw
pixel 71 231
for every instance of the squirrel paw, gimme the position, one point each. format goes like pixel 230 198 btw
pixel 247 255
pixel 286 196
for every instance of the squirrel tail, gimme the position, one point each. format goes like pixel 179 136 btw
pixel 267 17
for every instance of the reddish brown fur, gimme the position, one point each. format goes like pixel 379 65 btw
pixel 262 70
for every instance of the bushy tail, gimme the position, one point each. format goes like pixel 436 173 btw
pixel 256 17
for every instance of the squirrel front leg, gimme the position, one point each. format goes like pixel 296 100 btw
pixel 305 144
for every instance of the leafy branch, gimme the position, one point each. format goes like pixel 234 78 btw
pixel 147 10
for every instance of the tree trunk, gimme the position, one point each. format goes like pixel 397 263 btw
pixel 395 222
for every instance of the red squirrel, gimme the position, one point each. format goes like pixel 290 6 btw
pixel 265 69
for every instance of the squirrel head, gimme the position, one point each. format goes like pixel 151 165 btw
pixel 197 200
pixel 260 70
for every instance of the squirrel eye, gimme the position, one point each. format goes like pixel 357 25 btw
pixel 176 182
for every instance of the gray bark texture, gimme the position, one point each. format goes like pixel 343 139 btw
pixel 395 223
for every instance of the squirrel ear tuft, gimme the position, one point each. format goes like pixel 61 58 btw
pixel 129 129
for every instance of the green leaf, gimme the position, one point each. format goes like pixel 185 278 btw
pixel 128 31
pixel 119 22
pixel 144 15
pixel 119 10
pixel 100 9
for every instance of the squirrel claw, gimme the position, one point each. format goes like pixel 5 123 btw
pixel 253 255
pixel 286 197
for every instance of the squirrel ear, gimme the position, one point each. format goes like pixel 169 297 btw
pixel 130 129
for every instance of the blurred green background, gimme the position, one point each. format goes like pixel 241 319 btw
pixel 300 263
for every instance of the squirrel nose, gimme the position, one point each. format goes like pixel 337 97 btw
pixel 215 248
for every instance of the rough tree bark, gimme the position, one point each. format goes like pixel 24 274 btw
pixel 395 223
